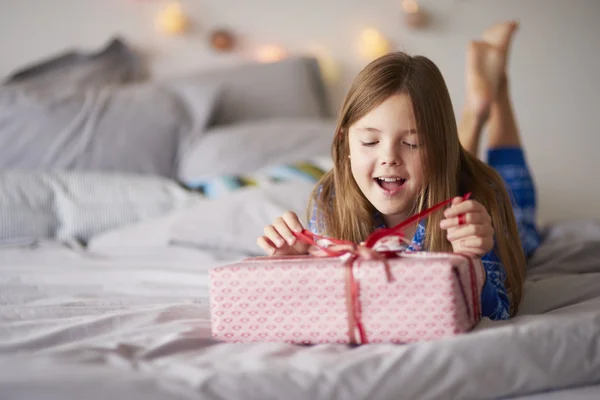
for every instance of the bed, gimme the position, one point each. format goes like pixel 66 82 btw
pixel 105 250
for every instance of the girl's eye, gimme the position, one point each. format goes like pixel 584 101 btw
pixel 411 145
pixel 369 144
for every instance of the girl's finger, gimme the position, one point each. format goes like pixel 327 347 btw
pixel 292 221
pixel 477 245
pixel 273 235
pixel 464 219
pixel 468 230
pixel 464 207
pixel 284 231
pixel 268 247
pixel 473 241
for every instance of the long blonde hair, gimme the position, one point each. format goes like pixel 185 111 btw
pixel 345 213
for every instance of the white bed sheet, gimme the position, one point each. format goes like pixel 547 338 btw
pixel 133 322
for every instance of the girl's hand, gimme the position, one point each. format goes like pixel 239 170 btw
pixel 279 239
pixel 469 227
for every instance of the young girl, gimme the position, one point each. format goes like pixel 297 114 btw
pixel 397 151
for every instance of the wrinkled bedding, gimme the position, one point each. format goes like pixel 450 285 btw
pixel 129 318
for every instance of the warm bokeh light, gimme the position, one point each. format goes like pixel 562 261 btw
pixel 327 63
pixel 270 53
pixel 172 20
pixel 410 6
pixel 373 44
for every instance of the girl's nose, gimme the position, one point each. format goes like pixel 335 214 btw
pixel 390 158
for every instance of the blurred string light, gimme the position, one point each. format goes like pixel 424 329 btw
pixel 172 20
pixel 270 53
pixel 372 44
pixel 222 40
pixel 410 6
pixel 414 16
pixel 327 64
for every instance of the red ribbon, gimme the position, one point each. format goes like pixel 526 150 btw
pixel 363 251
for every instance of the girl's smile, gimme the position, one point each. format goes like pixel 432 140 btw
pixel 390 184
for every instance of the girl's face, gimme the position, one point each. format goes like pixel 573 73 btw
pixel 385 158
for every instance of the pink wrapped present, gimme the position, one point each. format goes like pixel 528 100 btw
pixel 307 300
pixel 368 293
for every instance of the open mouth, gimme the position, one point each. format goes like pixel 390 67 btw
pixel 390 184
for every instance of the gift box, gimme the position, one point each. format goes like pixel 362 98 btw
pixel 345 293
pixel 348 299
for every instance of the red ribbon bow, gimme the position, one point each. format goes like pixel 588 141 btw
pixel 366 250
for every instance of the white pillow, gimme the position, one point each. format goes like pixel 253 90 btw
pixel 229 225
pixel 234 222
pixel 246 147
pixel 79 205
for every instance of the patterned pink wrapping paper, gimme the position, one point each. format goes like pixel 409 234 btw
pixel 304 299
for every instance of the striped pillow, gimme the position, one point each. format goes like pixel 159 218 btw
pixel 305 171
pixel 68 205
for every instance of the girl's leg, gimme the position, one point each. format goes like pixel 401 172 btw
pixel 503 131
pixel 505 153
pixel 483 73
pixel 487 91
pixel 506 156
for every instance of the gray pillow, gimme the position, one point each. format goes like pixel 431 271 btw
pixel 80 205
pixel 116 63
pixel 248 146
pixel 136 128
pixel 292 87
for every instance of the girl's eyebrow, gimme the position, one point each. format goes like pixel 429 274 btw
pixel 369 129
pixel 375 130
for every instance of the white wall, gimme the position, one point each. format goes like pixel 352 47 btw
pixel 554 65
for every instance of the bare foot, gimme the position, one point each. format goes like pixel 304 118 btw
pixel 485 69
pixel 500 36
